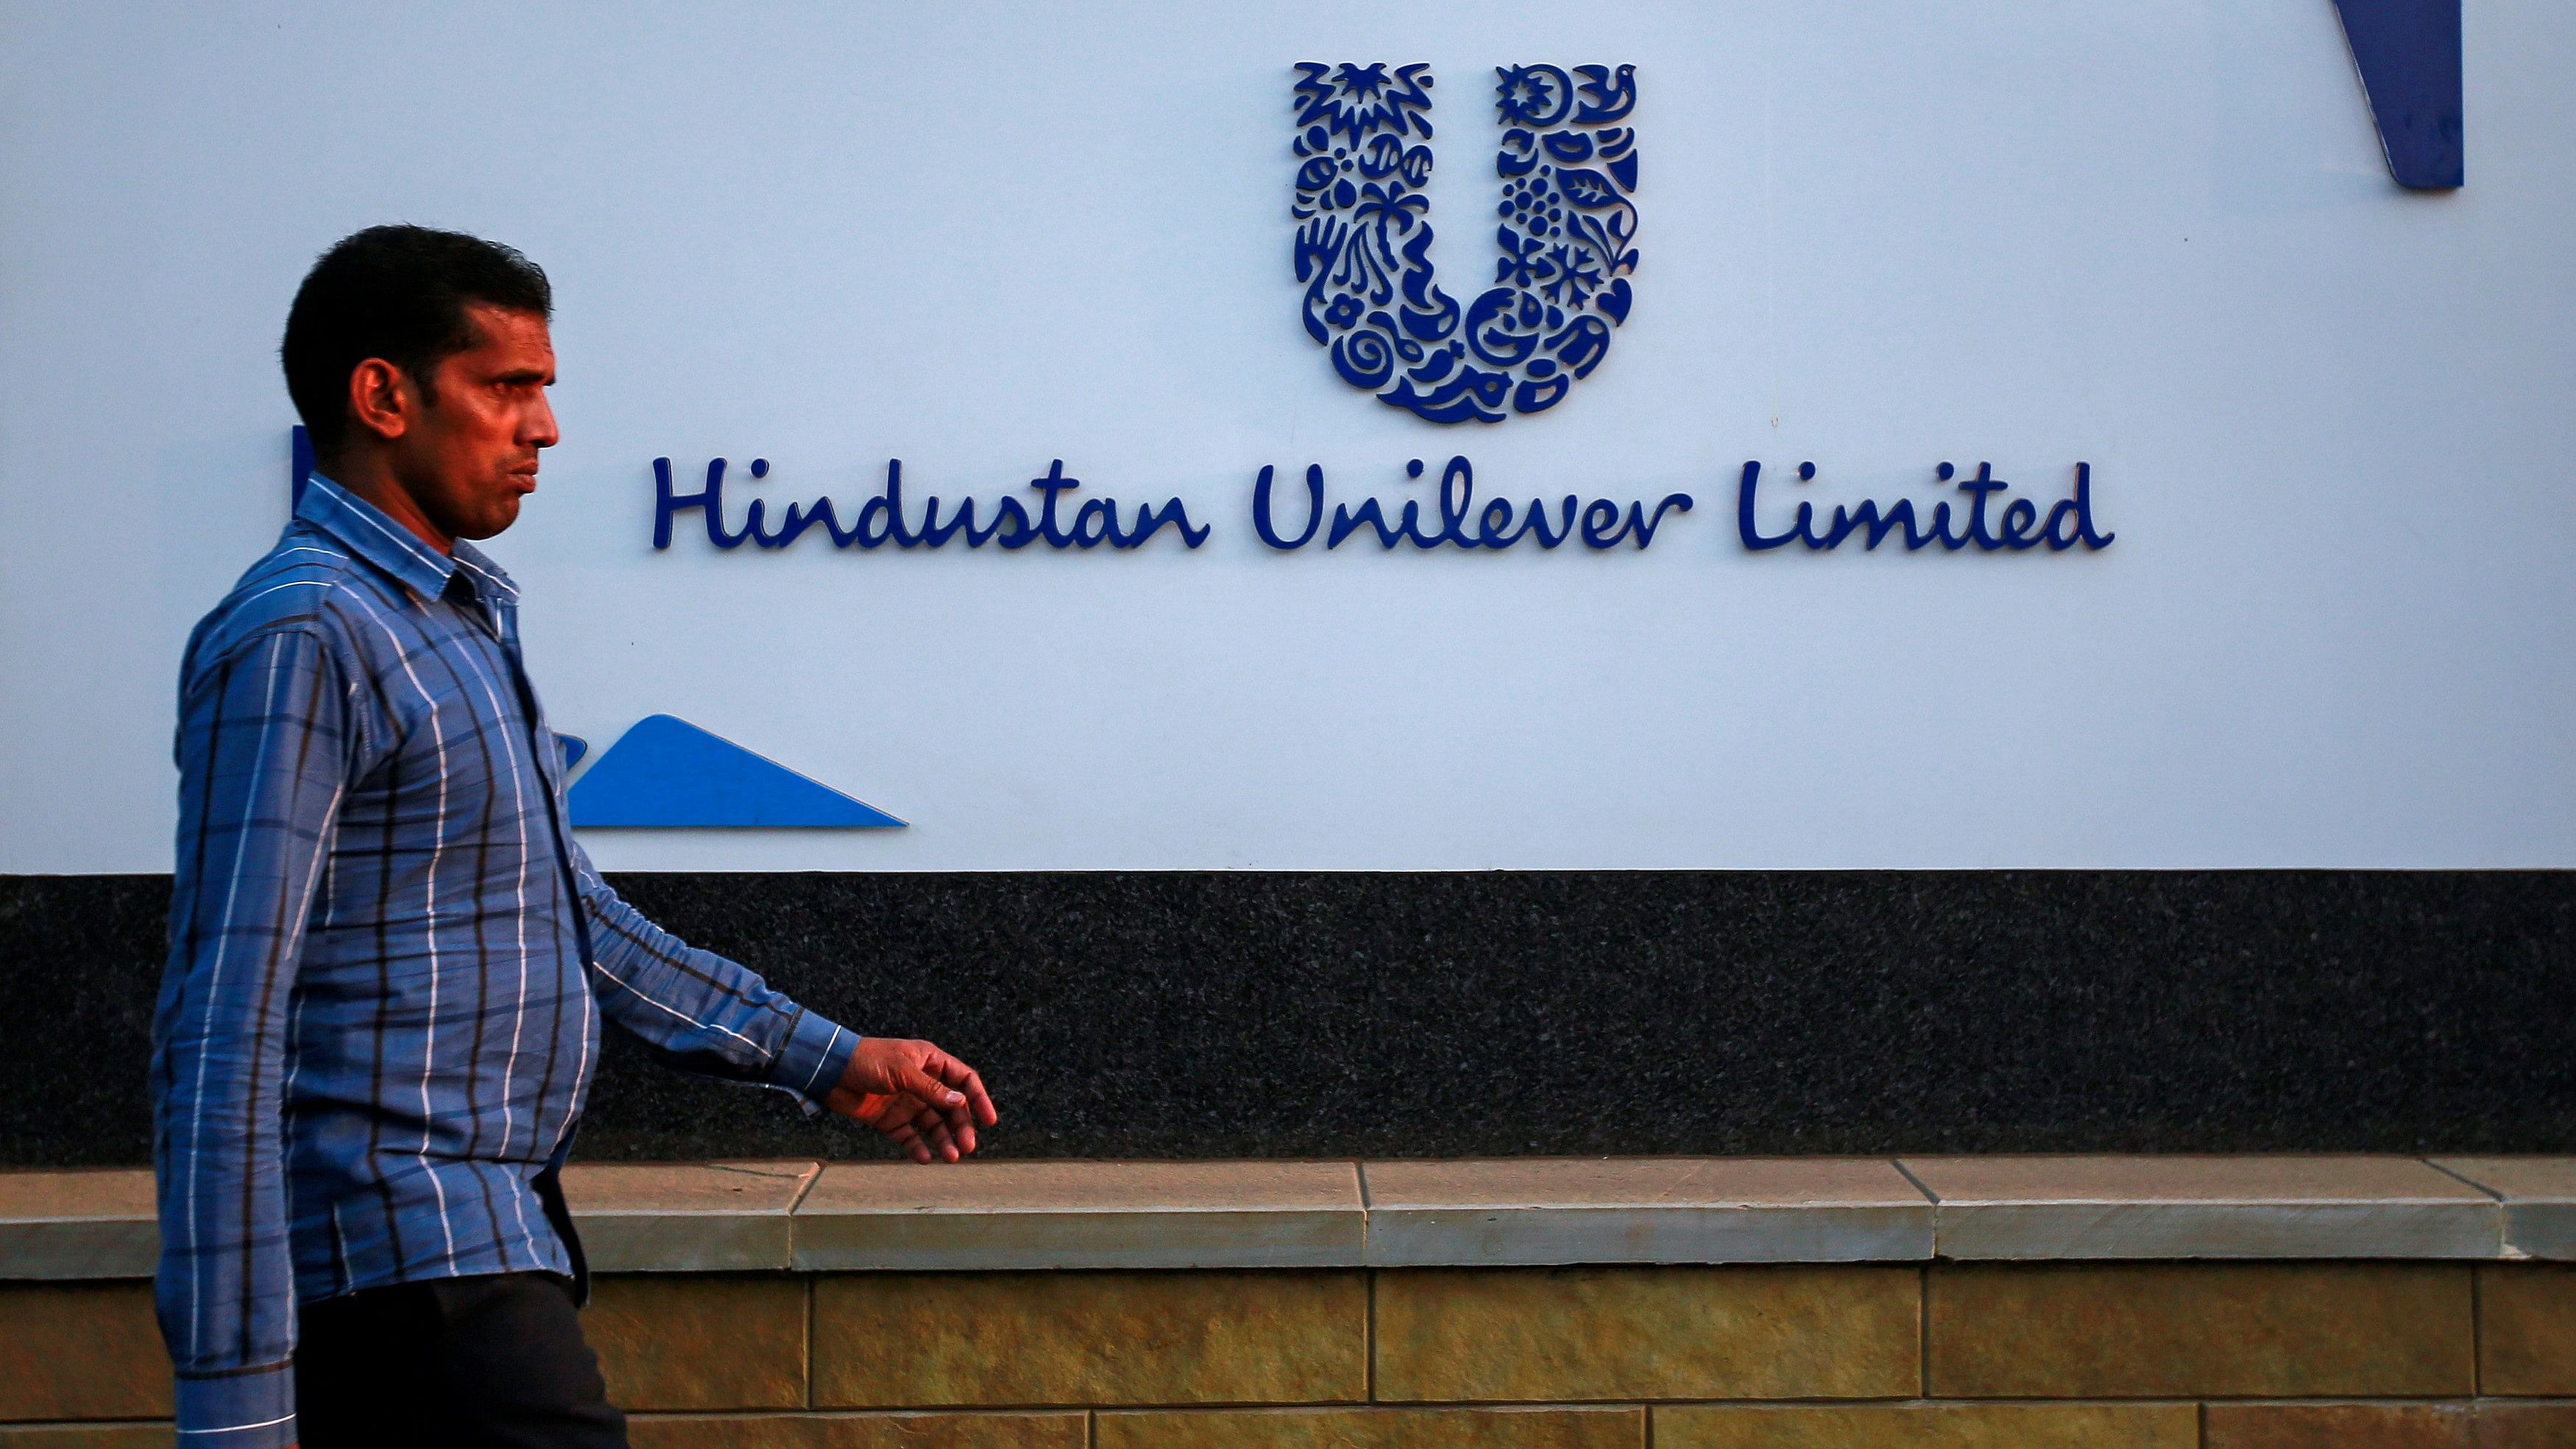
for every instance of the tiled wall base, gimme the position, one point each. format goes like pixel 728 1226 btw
pixel 1955 1356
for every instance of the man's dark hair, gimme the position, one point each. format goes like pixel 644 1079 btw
pixel 399 293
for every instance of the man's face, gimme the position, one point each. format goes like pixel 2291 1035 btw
pixel 471 456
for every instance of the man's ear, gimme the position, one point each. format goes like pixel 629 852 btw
pixel 381 398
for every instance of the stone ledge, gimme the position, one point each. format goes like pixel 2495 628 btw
pixel 777 1216
pixel 92 1224
pixel 1015 1215
pixel 652 1218
pixel 2539 1197
pixel 1550 1211
pixel 2111 1208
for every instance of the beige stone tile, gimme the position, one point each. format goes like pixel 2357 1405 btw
pixel 857 1431
pixel 996 1216
pixel 1053 1186
pixel 923 1340
pixel 2539 1199
pixel 699 1341
pixel 1376 1429
pixel 87 1436
pixel 1643 1210
pixel 1637 1182
pixel 113 1192
pixel 2527 1329
pixel 1927 1426
pixel 98 1224
pixel 1572 1334
pixel 2337 1426
pixel 733 1188
pixel 2551 1178
pixel 2193 1330
pixel 2030 1208
pixel 2524 1426
pixel 2283 1177
pixel 686 1217
pixel 81 1351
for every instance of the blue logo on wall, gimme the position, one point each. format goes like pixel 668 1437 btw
pixel 667 773
pixel 1568 164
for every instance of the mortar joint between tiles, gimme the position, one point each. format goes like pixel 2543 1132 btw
pixel 1920 1185
pixel 805 1190
pixel 1368 1341
pixel 1923 1331
pixel 2477 1330
pixel 2471 1182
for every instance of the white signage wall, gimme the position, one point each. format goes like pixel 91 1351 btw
pixel 2325 424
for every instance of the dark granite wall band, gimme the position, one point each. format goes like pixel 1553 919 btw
pixel 1153 1015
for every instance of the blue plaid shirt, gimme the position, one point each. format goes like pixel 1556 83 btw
pixel 388 959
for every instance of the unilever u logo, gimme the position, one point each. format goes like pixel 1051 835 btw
pixel 1568 167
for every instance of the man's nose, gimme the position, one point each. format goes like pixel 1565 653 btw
pixel 542 431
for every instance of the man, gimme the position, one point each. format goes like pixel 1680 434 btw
pixel 389 960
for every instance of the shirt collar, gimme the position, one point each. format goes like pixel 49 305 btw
pixel 495 585
pixel 365 530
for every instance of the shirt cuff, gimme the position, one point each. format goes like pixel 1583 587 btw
pixel 254 1410
pixel 817 1053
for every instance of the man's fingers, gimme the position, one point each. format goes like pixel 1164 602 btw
pixel 899 1119
pixel 920 1083
pixel 970 1087
pixel 921 1098
pixel 942 1133
pixel 962 1109
pixel 898 1130
pixel 976 1100
pixel 934 1130
pixel 961 1125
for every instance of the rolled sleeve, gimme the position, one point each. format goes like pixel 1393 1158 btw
pixel 251 1410
pixel 816 1056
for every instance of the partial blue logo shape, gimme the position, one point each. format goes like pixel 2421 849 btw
pixel 668 773
pixel 2408 53
pixel 1568 164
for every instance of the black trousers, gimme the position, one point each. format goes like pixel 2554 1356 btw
pixel 456 1363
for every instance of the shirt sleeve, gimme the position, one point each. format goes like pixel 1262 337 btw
pixel 698 1011
pixel 263 752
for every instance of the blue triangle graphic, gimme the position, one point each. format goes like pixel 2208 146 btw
pixel 2408 53
pixel 667 773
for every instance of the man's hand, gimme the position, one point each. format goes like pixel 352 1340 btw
pixel 925 1101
